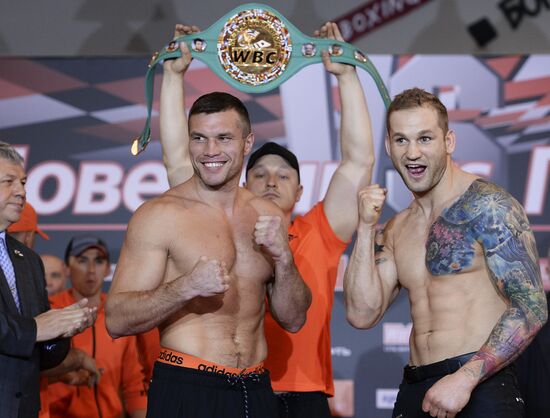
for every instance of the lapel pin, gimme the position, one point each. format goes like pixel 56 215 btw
pixel 18 253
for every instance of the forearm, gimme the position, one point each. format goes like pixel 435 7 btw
pixel 73 361
pixel 363 292
pixel 134 312
pixel 290 296
pixel 355 128
pixel 173 128
pixel 513 332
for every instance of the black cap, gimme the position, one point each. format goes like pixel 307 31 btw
pixel 272 148
pixel 77 245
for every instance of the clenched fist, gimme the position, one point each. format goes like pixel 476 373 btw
pixel 208 278
pixel 180 65
pixel 371 200
pixel 271 235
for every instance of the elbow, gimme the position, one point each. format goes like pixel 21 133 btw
pixel 114 327
pixel 362 318
pixel 360 321
pixel 296 325
pixel 296 322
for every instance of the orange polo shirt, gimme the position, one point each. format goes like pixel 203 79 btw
pixel 121 386
pixel 302 362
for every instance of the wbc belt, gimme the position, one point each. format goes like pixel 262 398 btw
pixel 254 49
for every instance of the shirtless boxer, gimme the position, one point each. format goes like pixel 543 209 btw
pixel 466 254
pixel 300 363
pixel 197 262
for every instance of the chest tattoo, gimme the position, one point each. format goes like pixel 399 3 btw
pixel 450 247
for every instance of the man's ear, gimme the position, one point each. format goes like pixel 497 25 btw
pixel 450 141
pixel 299 193
pixel 387 144
pixel 248 143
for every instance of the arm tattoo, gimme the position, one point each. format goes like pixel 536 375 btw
pixel 379 248
pixel 497 221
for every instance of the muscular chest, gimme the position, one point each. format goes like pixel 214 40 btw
pixel 216 236
pixel 441 248
pixel 451 248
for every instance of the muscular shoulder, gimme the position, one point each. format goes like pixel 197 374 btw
pixel 493 213
pixel 480 199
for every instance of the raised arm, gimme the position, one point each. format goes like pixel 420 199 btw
pixel 511 256
pixel 289 296
pixel 174 136
pixel 370 281
pixel 355 169
pixel 140 298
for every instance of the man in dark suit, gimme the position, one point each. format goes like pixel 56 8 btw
pixel 534 369
pixel 29 330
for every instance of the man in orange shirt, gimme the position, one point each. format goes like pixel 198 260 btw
pixel 121 387
pixel 300 363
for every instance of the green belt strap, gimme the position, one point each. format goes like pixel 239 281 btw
pixel 254 49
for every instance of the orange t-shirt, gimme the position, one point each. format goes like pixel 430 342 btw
pixel 149 349
pixel 121 386
pixel 302 362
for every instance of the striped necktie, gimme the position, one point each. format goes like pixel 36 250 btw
pixel 7 267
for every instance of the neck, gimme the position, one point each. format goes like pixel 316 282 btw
pixel 447 189
pixel 223 196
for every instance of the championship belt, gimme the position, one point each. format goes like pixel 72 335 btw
pixel 254 49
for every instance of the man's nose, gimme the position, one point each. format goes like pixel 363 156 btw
pixel 413 151
pixel 212 147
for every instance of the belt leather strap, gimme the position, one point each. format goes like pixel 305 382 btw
pixel 254 49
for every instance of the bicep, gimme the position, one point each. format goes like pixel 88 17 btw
pixel 511 256
pixel 340 201
pixel 385 263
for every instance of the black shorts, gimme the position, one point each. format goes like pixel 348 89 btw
pixel 178 392
pixel 303 405
pixel 496 397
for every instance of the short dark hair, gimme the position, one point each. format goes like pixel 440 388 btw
pixel 220 102
pixel 416 97
pixel 7 152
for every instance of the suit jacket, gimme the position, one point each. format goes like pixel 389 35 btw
pixel 19 353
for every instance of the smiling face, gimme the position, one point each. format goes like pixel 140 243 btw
pixel 218 144
pixel 273 178
pixel 418 147
pixel 12 192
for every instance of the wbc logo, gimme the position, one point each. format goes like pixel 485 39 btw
pixel 254 47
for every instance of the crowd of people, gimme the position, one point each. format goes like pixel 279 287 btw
pixel 221 300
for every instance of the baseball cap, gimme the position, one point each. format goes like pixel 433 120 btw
pixel 272 148
pixel 27 222
pixel 78 244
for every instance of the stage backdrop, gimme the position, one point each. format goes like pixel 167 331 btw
pixel 73 121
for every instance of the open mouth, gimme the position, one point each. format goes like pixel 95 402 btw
pixel 416 170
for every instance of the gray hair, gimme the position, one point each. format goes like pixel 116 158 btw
pixel 8 153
